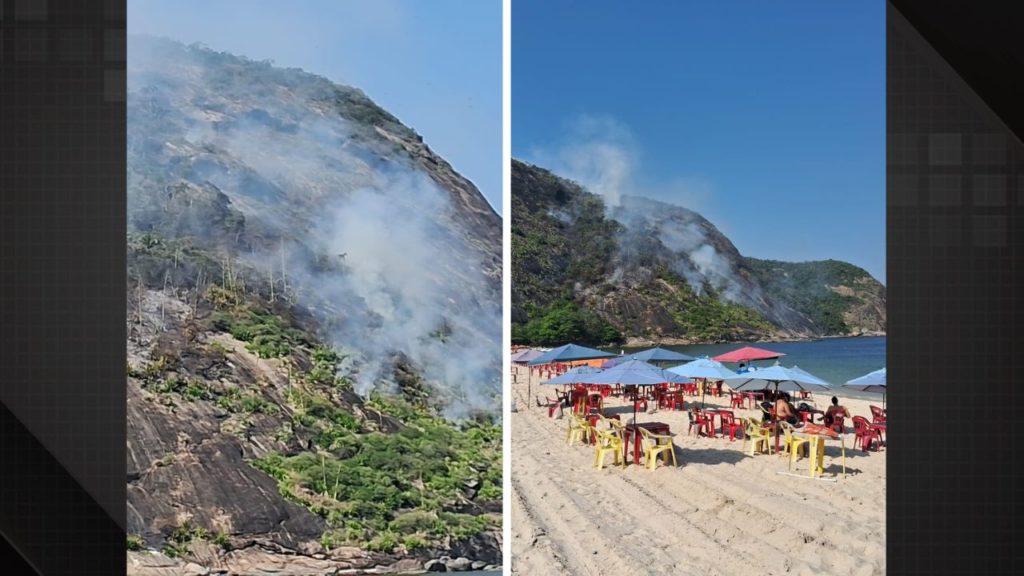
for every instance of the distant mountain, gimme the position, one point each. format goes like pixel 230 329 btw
pixel 647 271
pixel 310 289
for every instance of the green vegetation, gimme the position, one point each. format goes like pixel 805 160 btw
pixel 135 543
pixel 705 317
pixel 381 490
pixel 265 333
pixel 222 540
pixel 564 321
pixel 179 543
pixel 805 287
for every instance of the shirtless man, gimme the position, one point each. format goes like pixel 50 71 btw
pixel 785 411
pixel 835 410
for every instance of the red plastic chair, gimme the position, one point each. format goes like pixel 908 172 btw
pixel 639 403
pixel 738 400
pixel 702 421
pixel 698 421
pixel 729 421
pixel 865 434
pixel 877 415
pixel 838 424
pixel 551 405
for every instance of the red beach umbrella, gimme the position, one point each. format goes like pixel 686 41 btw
pixel 746 354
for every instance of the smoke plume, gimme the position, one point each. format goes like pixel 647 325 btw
pixel 337 219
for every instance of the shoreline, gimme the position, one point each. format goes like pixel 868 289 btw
pixel 638 343
pixel 641 343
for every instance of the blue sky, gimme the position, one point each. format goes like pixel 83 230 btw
pixel 766 117
pixel 435 65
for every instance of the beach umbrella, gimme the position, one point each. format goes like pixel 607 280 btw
pixel 871 382
pixel 569 353
pixel 659 354
pixel 780 378
pixel 705 368
pixel 652 355
pixel 575 376
pixel 615 361
pixel 635 373
pixel 524 356
pixel 747 354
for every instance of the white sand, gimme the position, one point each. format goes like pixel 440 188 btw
pixel 720 512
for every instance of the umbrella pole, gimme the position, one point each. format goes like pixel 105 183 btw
pixel 703 392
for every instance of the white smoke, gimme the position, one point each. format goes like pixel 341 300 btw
pixel 598 153
pixel 343 223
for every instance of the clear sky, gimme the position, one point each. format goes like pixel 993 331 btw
pixel 435 65
pixel 766 117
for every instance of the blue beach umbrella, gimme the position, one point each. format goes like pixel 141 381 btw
pixel 659 354
pixel 569 353
pixel 705 368
pixel 780 378
pixel 871 382
pixel 635 373
pixel 577 375
pixel 525 356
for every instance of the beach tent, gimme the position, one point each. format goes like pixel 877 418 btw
pixel 524 356
pixel 635 373
pixel 871 382
pixel 569 353
pixel 747 354
pixel 705 368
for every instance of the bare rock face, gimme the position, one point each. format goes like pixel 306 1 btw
pixel 182 467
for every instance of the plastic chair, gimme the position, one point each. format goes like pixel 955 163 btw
pixel 640 403
pixel 838 424
pixel 793 444
pixel 659 444
pixel 729 421
pixel 578 429
pixel 877 415
pixel 864 434
pixel 551 405
pixel 609 441
pixel 737 401
pixel 753 432
pixel 698 421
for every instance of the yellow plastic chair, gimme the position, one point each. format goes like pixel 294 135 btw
pixel 578 428
pixel 655 444
pixel 609 441
pixel 793 445
pixel 753 432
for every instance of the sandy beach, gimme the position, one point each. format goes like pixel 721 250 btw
pixel 720 512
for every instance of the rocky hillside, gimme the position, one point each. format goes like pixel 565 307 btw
pixel 646 271
pixel 314 328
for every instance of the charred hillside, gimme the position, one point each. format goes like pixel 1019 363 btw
pixel 314 326
pixel 649 271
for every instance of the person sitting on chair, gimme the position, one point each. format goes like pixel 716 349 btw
pixel 835 410
pixel 785 411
